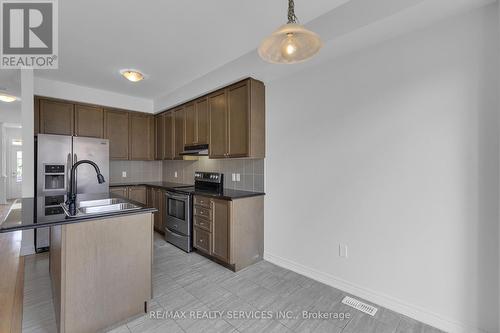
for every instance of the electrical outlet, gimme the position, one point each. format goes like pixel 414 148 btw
pixel 175 174
pixel 342 250
pixel 124 174
pixel 233 177
pixel 238 177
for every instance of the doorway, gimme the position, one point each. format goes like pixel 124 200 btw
pixel 15 169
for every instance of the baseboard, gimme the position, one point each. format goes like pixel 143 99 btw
pixel 389 302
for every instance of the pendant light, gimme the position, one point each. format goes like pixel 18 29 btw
pixel 291 43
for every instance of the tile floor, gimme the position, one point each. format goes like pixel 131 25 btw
pixel 190 283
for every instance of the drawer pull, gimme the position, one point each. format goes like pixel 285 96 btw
pixel 201 240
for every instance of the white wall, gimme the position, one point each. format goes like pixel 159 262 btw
pixel 394 151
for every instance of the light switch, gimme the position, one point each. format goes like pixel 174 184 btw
pixel 124 174
pixel 342 250
pixel 233 177
pixel 238 177
pixel 175 174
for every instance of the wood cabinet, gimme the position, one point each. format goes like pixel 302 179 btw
pixel 56 117
pixel 121 191
pixel 169 151
pixel 138 193
pixel 230 231
pixel 237 121
pixel 89 121
pixel 178 133
pixel 158 202
pixel 116 130
pixel 217 107
pixel 164 125
pixel 196 122
pixel 160 137
pixel 141 136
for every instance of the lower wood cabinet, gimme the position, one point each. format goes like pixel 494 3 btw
pixel 121 191
pixel 230 231
pixel 138 193
pixel 157 199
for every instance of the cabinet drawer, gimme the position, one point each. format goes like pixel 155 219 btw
pixel 203 223
pixel 202 240
pixel 202 201
pixel 203 212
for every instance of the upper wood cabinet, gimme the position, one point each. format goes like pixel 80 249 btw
pixel 196 122
pixel 56 117
pixel 160 137
pixel 141 137
pixel 89 121
pixel 237 121
pixel 189 125
pixel 217 106
pixel 169 131
pixel 116 129
pixel 179 133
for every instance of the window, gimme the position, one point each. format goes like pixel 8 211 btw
pixel 19 166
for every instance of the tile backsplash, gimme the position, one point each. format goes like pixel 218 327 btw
pixel 251 172
pixel 137 171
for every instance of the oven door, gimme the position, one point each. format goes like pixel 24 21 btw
pixel 178 208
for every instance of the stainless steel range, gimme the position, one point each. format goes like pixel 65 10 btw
pixel 179 208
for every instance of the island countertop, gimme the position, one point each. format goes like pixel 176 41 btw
pixel 36 212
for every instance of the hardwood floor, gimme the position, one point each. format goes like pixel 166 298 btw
pixel 190 283
pixel 11 278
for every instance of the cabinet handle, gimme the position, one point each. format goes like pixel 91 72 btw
pixel 201 240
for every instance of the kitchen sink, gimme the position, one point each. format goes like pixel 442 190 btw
pixel 117 207
pixel 102 206
pixel 101 202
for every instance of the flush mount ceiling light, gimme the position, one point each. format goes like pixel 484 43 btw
pixel 291 43
pixel 7 98
pixel 132 75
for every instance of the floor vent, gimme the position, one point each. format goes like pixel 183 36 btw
pixel 358 305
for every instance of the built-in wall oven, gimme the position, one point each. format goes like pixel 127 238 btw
pixel 179 222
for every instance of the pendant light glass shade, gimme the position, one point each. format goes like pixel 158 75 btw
pixel 291 43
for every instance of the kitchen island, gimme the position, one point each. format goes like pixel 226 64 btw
pixel 100 263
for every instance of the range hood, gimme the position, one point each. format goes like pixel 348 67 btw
pixel 196 150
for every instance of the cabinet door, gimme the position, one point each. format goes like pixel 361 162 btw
pixel 121 191
pixel 138 193
pixel 149 197
pixel 116 129
pixel 156 215
pixel 89 121
pixel 36 120
pixel 189 125
pixel 217 106
pixel 179 133
pixel 201 107
pixel 169 135
pixel 56 117
pixel 220 229
pixel 141 137
pixel 238 120
pixel 160 137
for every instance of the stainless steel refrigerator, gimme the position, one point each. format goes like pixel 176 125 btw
pixel 55 155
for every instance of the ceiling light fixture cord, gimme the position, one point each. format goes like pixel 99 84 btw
pixel 291 12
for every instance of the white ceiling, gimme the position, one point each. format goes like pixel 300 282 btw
pixel 191 46
pixel 172 41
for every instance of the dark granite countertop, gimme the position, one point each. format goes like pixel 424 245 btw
pixel 32 213
pixel 227 194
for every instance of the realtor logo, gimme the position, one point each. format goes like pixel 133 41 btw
pixel 29 34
